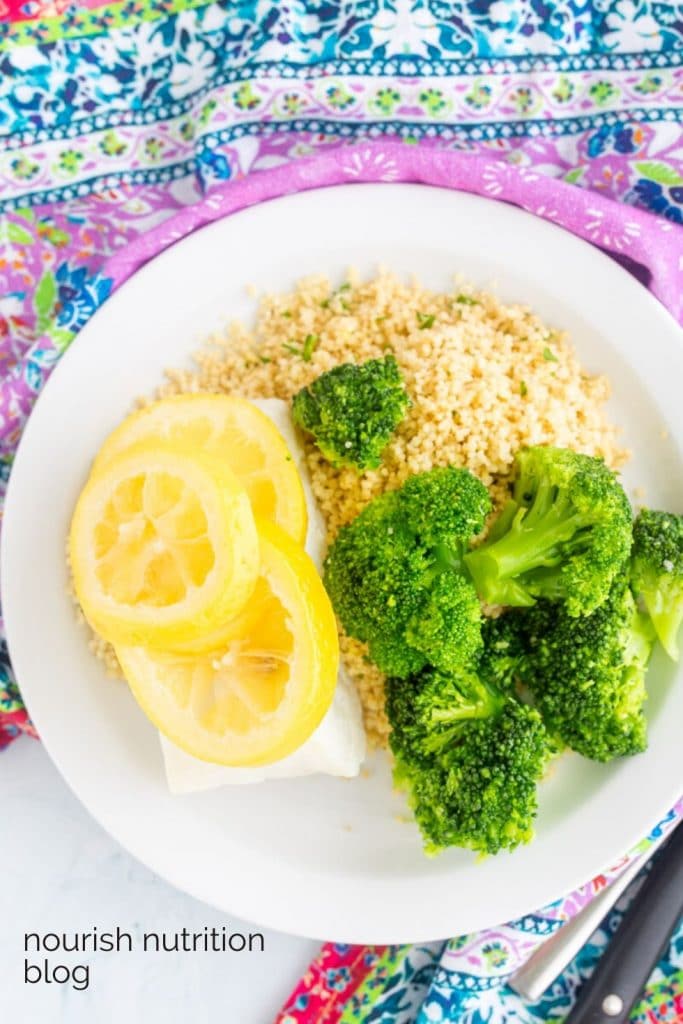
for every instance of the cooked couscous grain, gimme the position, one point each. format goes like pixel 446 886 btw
pixel 485 378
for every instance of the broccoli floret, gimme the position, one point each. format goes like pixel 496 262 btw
pixel 657 573
pixel 469 757
pixel 446 628
pixel 564 535
pixel 446 507
pixel 504 650
pixel 352 411
pixel 395 576
pixel 430 709
pixel 587 674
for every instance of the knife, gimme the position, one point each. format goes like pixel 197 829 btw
pixel 621 973
pixel 543 967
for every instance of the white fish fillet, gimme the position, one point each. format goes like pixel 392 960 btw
pixel 337 747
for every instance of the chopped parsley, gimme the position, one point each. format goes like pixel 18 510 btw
pixel 549 355
pixel 466 300
pixel 309 346
pixel 523 389
pixel 425 320
pixel 306 350
pixel 325 304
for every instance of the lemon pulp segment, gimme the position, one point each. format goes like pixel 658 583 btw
pixel 259 695
pixel 232 429
pixel 163 546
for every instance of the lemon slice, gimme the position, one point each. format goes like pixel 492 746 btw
pixel 163 547
pixel 264 691
pixel 234 430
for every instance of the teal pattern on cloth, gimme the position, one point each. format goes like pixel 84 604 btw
pixel 481 999
pixel 421 991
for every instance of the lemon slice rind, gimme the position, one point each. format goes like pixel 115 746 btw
pixel 181 709
pixel 230 532
pixel 230 428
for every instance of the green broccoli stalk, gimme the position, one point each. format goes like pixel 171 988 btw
pixel 657 573
pixel 353 410
pixel 563 536
pixel 395 577
pixel 469 757
pixel 587 674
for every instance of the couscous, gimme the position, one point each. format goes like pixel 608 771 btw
pixel 485 378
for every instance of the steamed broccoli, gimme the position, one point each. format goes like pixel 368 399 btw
pixel 587 674
pixel 352 411
pixel 657 573
pixel 395 576
pixel 503 652
pixel 469 757
pixel 564 535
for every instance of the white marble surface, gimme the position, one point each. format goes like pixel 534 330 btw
pixel 62 873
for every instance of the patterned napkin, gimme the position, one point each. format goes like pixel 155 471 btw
pixel 125 126
pixel 464 980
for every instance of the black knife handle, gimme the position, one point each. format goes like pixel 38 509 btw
pixel 642 936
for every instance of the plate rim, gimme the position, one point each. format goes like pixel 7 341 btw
pixel 657 309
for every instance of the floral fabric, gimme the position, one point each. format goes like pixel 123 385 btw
pixel 369 984
pixel 464 980
pixel 469 984
pixel 124 126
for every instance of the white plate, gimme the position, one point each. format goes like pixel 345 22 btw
pixel 323 857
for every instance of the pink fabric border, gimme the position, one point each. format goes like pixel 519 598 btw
pixel 650 246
